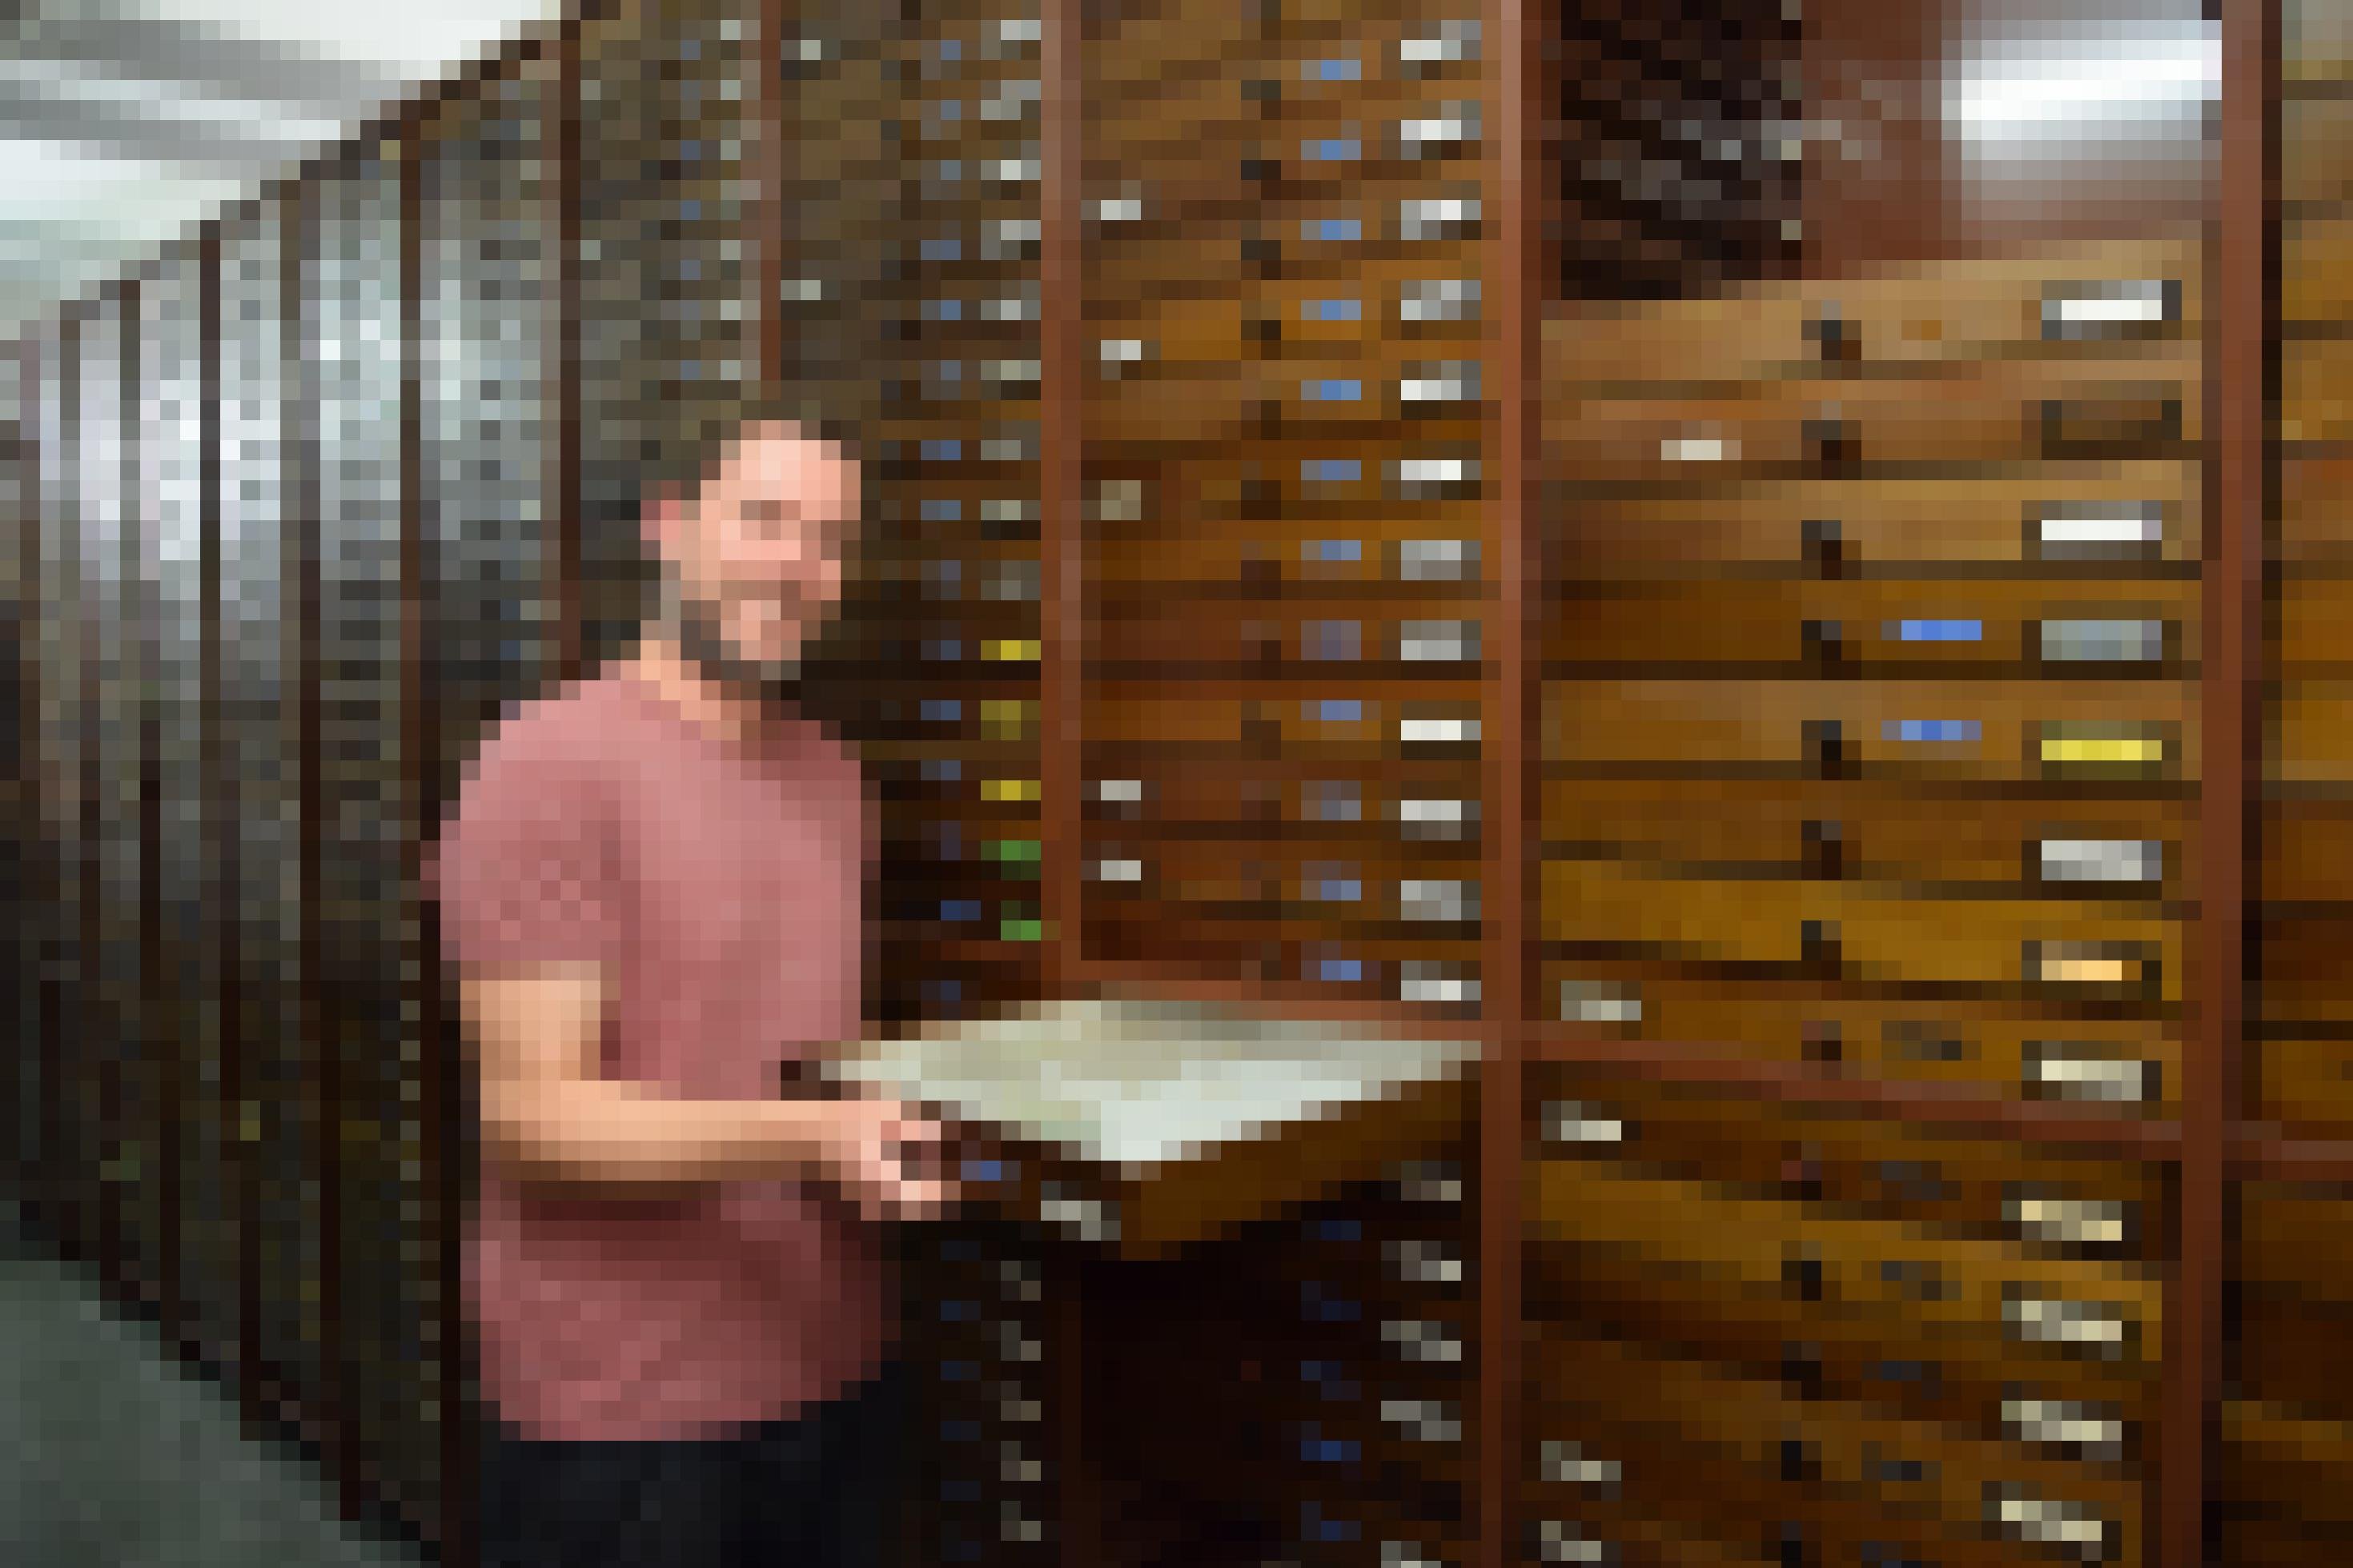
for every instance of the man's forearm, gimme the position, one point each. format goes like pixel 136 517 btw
pixel 615 1134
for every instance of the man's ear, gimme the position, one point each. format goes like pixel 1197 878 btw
pixel 660 521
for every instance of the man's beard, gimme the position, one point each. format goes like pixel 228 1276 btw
pixel 772 684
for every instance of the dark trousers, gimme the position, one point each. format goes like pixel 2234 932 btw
pixel 824 1489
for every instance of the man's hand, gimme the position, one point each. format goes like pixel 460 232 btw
pixel 888 1158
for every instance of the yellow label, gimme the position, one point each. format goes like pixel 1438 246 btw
pixel 1009 651
pixel 2085 970
pixel 2103 751
pixel 1008 790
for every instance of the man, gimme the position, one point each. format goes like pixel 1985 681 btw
pixel 651 894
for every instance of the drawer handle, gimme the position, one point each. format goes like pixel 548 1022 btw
pixel 1419 1340
pixel 2070 1222
pixel 1425 1420
pixel 2079 312
pixel 1423 1263
pixel 2071 1072
pixel 1566 1463
pixel 1572 1121
pixel 2101 859
pixel 2079 531
pixel 1559 1542
pixel 2021 1514
pixel 1083 1217
pixel 1452 41
pixel 2099 1329
pixel 2065 1423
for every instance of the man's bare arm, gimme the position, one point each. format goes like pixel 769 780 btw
pixel 547 1116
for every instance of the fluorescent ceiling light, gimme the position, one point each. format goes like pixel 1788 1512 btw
pixel 2022 89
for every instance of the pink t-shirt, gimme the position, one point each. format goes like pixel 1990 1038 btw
pixel 722 888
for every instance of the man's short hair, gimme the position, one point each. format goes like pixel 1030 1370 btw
pixel 683 465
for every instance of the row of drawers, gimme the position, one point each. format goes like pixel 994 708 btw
pixel 1991 731
pixel 2058 630
pixel 1954 732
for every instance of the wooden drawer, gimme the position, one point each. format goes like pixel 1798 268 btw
pixel 2257 1537
pixel 1748 1450
pixel 2298 1469
pixel 2310 532
pixel 1879 834
pixel 2074 1412
pixel 1580 1528
pixel 2057 1204
pixel 2130 1068
pixel 1392 560
pixel 2297 1236
pixel 2315 391
pixel 2315 135
pixel 1296 635
pixel 1920 316
pixel 2315 264
pixel 2306 621
pixel 1330 720
pixel 1689 1501
pixel 1880 627
pixel 1387 802
pixel 2304 980
pixel 1959 1300
pixel 2313 721
pixel 1998 414
pixel 2306 1086
pixel 1388 305
pixel 2013 946
pixel 2296 1349
pixel 2086 732
pixel 1346 1529
pixel 1287 485
pixel 1890 524
pixel 1303 882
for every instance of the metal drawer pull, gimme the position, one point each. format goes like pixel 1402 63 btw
pixel 1573 1121
pixel 2070 1072
pixel 2023 1515
pixel 1562 1542
pixel 1565 1462
pixel 1419 1340
pixel 2066 1423
pixel 2071 1221
pixel 2037 1319
pixel 2103 860
pixel 1422 1263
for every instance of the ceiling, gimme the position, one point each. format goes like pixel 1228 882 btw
pixel 124 121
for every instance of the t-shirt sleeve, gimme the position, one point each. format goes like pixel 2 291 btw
pixel 527 870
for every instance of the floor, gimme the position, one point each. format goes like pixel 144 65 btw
pixel 110 1457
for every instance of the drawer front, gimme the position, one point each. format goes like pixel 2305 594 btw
pixel 2014 947
pixel 2124 519
pixel 2092 1414
pixel 2051 1203
pixel 2058 630
pixel 1922 316
pixel 1990 732
pixel 2050 1055
pixel 2306 1086
pixel 1979 414
pixel 1883 833
pixel 2294 1468
pixel 1960 1299
pixel 1847 1473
